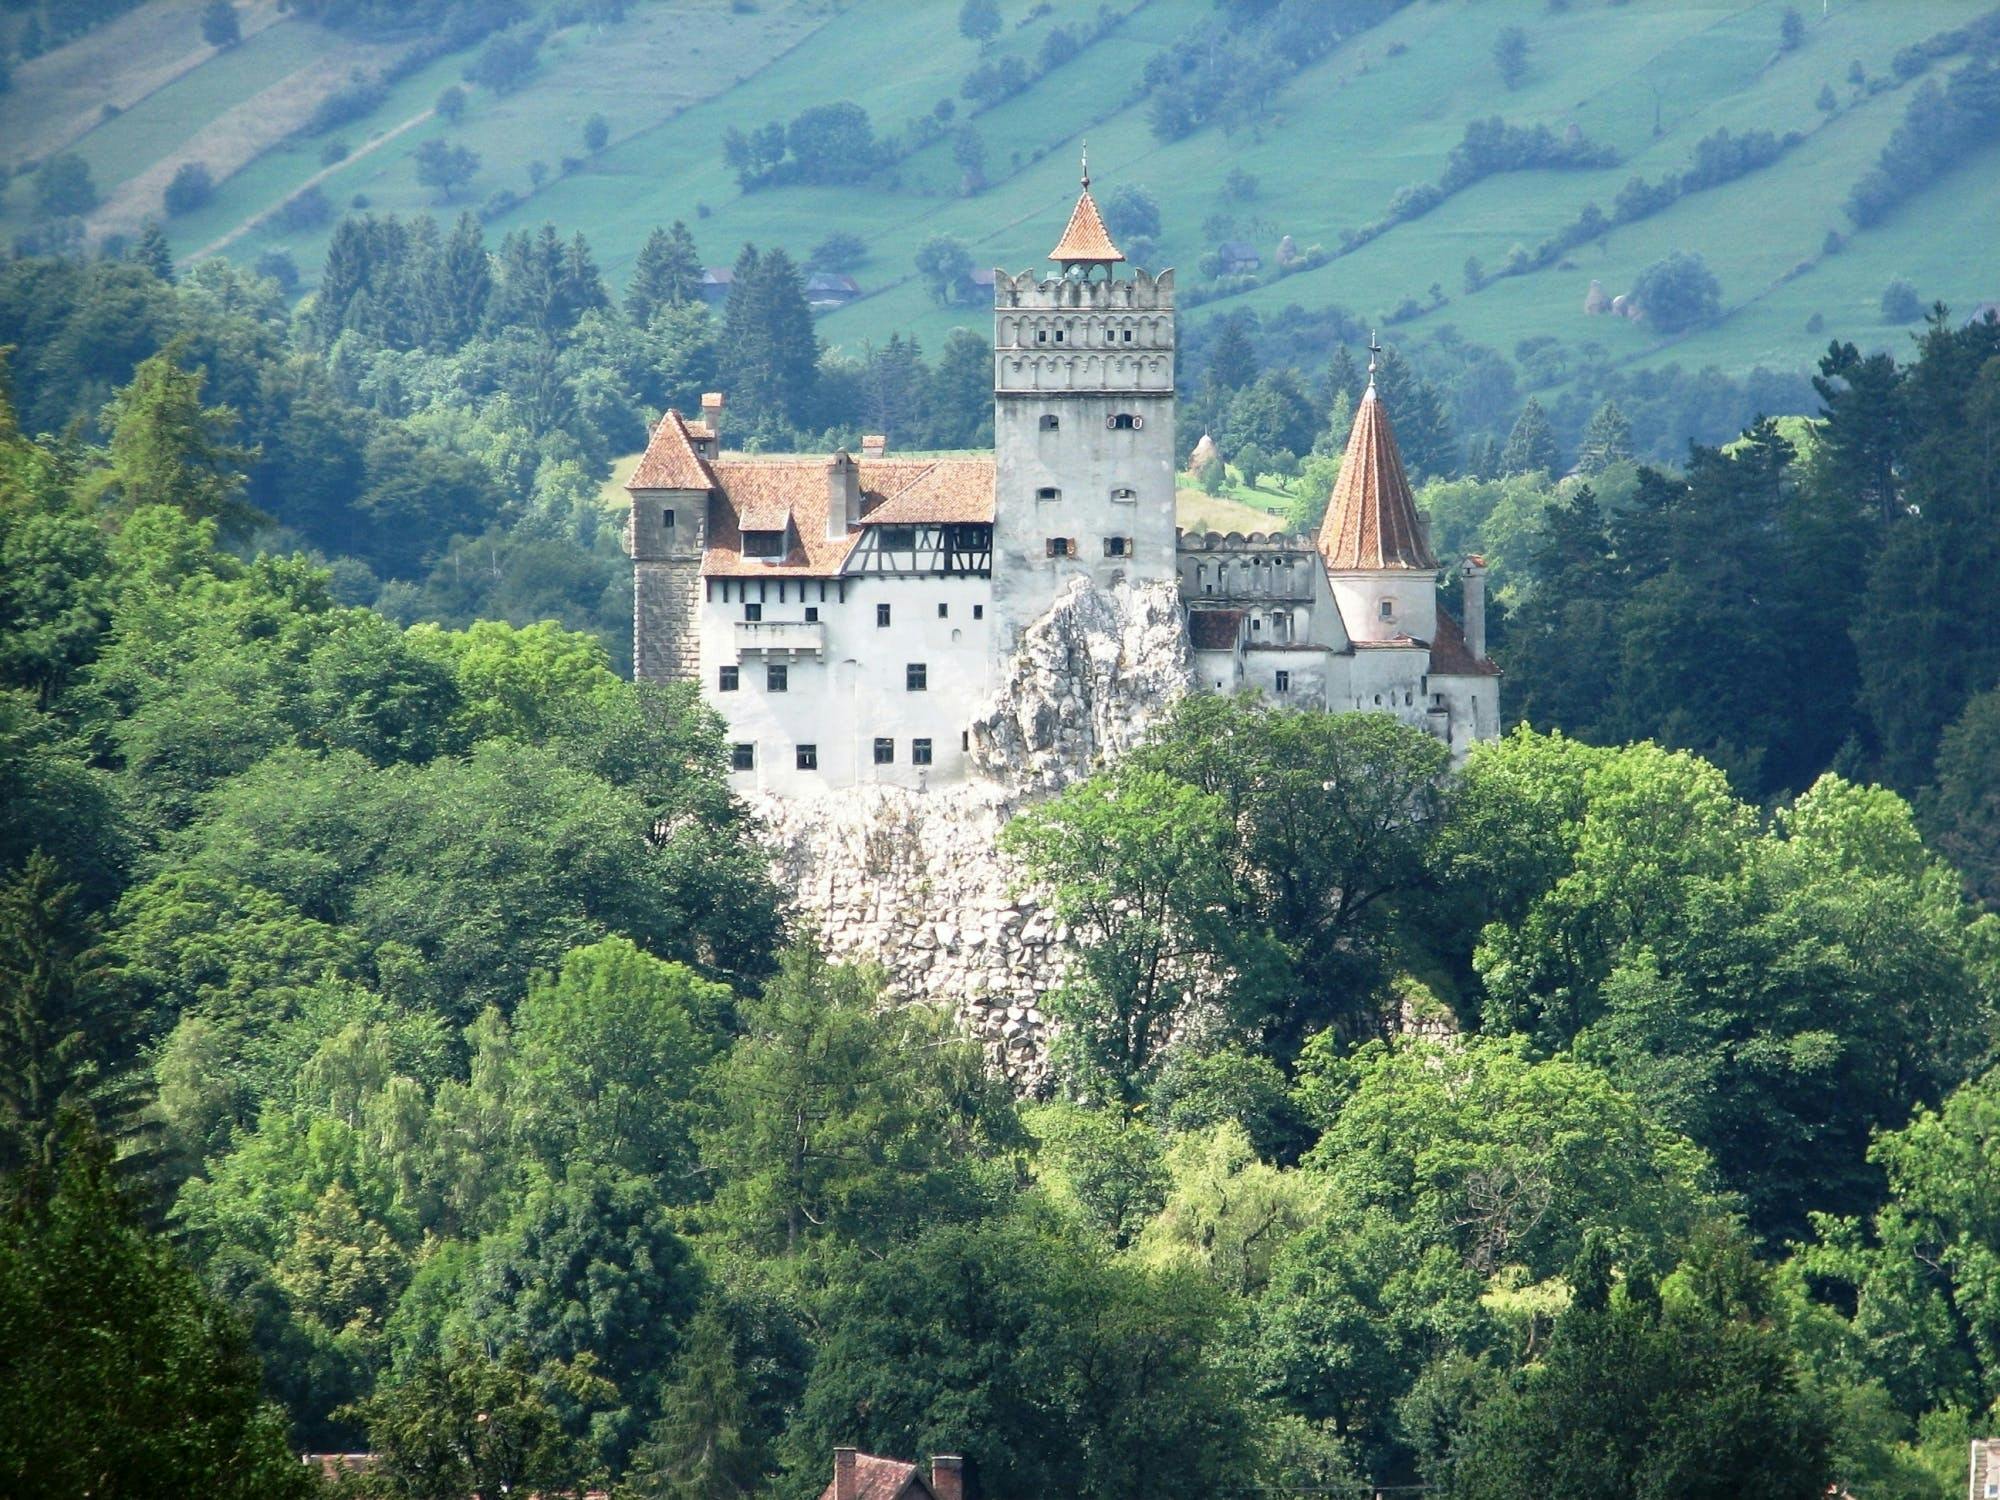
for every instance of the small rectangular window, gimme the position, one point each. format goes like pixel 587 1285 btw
pixel 920 752
pixel 667 519
pixel 725 679
pixel 1116 546
pixel 808 757
pixel 1059 546
pixel 777 679
pixel 898 538
pixel 1128 335
pixel 1387 609
pixel 978 611
pixel 753 611
pixel 812 613
pixel 763 544
pixel 944 611
pixel 1284 682
pixel 1050 423
pixel 916 677
pixel 742 756
pixel 881 617
pixel 1127 495
pixel 1041 335
pixel 965 739
pixel 1048 492
pixel 885 751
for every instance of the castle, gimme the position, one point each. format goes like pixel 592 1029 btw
pixel 850 618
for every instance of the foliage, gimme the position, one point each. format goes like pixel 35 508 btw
pixel 1678 293
pixel 190 189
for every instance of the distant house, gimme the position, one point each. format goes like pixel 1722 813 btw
pixel 715 283
pixel 826 289
pixel 1239 257
pixel 863 1476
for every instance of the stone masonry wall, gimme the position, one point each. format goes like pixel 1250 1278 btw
pixel 914 880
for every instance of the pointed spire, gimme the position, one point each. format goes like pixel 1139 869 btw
pixel 1085 239
pixel 1371 520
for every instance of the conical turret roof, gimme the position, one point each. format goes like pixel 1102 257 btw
pixel 1371 520
pixel 1085 238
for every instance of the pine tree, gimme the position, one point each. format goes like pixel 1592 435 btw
pixel 534 288
pixel 1343 378
pixel 461 284
pixel 770 354
pixel 151 252
pixel 1531 446
pixel 1232 362
pixel 1606 441
pixel 583 286
pixel 1433 440
pixel 168 449
pixel 705 1444
pixel 67 1050
pixel 667 274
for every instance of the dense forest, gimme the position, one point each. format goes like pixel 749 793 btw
pixel 403 1045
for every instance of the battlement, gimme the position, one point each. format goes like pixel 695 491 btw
pixel 1143 292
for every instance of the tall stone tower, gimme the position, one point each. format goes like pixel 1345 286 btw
pixel 1083 425
pixel 666 532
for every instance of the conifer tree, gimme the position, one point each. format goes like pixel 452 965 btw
pixel 583 285
pixel 1232 363
pixel 151 251
pixel 461 284
pixel 667 273
pixel 1606 441
pixel 168 449
pixel 705 1444
pixel 770 354
pixel 1343 378
pixel 1531 446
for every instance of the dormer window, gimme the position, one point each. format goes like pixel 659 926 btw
pixel 1050 423
pixel 763 544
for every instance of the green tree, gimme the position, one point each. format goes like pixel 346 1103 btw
pixel 445 167
pixel 1962 812
pixel 1510 55
pixel 1791 29
pixel 451 103
pixel 220 26
pixel 596 132
pixel 63 187
pixel 123 1374
pixel 1687 1389
pixel 1531 445
pixel 460 282
pixel 705 1444
pixel 168 449
pixel 769 352
pixel 1607 440
pixel 979 20
pixel 190 189
pixel 944 263
pixel 840 1124
pixel 1678 293
pixel 667 273
pixel 151 251
pixel 1232 362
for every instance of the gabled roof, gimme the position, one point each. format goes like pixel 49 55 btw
pixel 1371 521
pixel 884 1479
pixel 670 461
pixel 777 494
pixel 1085 237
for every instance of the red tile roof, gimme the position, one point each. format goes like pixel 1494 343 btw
pixel 884 1479
pixel 1371 520
pixel 1451 657
pixel 670 461
pixel 764 494
pixel 1085 237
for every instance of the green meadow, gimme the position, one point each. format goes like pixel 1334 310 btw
pixel 1333 146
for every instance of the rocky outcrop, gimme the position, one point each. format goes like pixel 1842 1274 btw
pixel 1087 681
pixel 915 881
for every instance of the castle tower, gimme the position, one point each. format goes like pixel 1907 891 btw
pixel 1083 425
pixel 1383 572
pixel 666 532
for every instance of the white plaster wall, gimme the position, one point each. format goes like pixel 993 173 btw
pixel 1473 706
pixel 856 690
pixel 1413 596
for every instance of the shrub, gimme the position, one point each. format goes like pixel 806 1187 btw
pixel 451 103
pixel 333 154
pixel 1678 293
pixel 191 188
pixel 362 94
pixel 63 187
pixel 1900 302
pixel 304 211
pixel 219 25
pixel 596 131
pixel 278 266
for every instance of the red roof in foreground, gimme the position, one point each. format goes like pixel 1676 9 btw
pixel 1371 521
pixel 670 461
pixel 884 1479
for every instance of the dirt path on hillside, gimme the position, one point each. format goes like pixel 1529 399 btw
pixel 222 242
pixel 59 97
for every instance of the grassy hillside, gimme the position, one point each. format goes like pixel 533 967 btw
pixel 1383 110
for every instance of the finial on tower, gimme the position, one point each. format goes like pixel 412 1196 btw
pixel 1374 349
pixel 1086 166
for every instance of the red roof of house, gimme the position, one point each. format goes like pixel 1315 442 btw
pixel 770 494
pixel 1371 520
pixel 884 1479
pixel 1085 237
pixel 670 461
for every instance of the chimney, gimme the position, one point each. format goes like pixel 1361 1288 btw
pixel 948 1477
pixel 711 413
pixel 843 495
pixel 844 1483
pixel 874 445
pixel 1473 570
